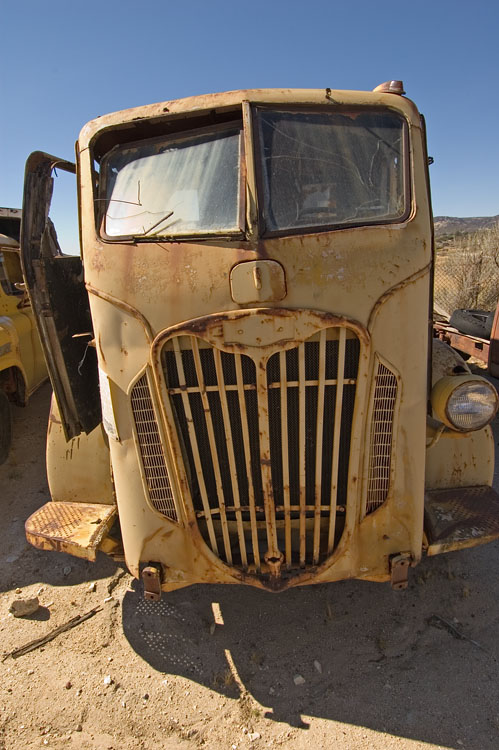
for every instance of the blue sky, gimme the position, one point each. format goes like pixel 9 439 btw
pixel 65 63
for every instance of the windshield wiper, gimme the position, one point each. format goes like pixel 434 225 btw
pixel 160 221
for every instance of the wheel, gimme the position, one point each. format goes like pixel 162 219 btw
pixel 473 322
pixel 5 427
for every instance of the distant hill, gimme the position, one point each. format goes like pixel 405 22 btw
pixel 454 224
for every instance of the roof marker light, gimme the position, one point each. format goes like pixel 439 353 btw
pixel 390 87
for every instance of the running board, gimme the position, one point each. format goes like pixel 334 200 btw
pixel 459 518
pixel 75 528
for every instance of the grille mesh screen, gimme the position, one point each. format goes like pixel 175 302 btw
pixel 151 450
pixel 385 396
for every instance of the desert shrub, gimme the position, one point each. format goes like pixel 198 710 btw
pixel 467 275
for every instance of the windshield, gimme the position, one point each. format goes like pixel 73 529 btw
pixel 173 188
pixel 5 284
pixel 331 168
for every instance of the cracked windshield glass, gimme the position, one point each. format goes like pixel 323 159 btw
pixel 324 169
pixel 173 188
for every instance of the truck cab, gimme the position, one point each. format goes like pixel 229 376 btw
pixel 242 352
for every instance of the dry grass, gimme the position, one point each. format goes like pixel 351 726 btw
pixel 467 273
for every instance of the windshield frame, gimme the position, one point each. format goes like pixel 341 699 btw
pixel 102 201
pixel 318 109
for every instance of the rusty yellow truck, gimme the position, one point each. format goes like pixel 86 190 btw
pixel 244 376
pixel 22 365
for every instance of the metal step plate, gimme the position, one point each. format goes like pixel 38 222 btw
pixel 76 528
pixel 460 518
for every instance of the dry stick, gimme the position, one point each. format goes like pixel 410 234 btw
pixel 440 622
pixel 53 634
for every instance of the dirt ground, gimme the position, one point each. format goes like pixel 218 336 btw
pixel 217 667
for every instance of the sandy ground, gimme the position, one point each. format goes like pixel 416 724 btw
pixel 377 670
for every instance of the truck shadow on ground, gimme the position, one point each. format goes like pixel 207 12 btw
pixel 361 653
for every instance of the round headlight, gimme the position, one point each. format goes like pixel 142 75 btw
pixel 464 403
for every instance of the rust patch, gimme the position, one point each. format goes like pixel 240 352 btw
pixel 460 518
pixel 75 528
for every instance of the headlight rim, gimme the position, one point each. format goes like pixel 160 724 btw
pixel 446 387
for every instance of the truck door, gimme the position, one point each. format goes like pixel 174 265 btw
pixel 55 284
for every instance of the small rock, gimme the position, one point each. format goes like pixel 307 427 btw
pixel 108 599
pixel 252 736
pixel 79 728
pixel 24 607
pixel 318 666
pixel 245 731
pixel 31 671
pixel 68 685
pixel 108 680
pixel 271 691
pixel 40 591
pixel 123 703
pixel 92 587
pixel 67 570
pixel 146 696
pixel 19 591
pixel 298 679
pixel 79 692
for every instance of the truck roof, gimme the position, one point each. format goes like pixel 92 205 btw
pixel 229 100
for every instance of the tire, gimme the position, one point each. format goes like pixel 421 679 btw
pixel 473 322
pixel 5 427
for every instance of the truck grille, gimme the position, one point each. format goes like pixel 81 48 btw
pixel 380 454
pixel 151 450
pixel 266 444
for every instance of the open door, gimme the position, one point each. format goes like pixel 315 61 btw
pixel 59 299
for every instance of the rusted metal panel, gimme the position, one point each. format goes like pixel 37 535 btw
pixel 461 517
pixel 76 528
pixel 475 347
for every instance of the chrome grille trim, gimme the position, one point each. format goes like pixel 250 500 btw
pixel 151 450
pixel 248 429
pixel 380 455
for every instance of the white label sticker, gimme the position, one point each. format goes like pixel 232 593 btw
pixel 107 406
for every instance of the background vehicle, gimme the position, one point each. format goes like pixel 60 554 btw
pixel 244 347
pixel 22 366
pixel 473 333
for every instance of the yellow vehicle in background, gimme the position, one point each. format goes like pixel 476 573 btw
pixel 22 365
pixel 241 358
